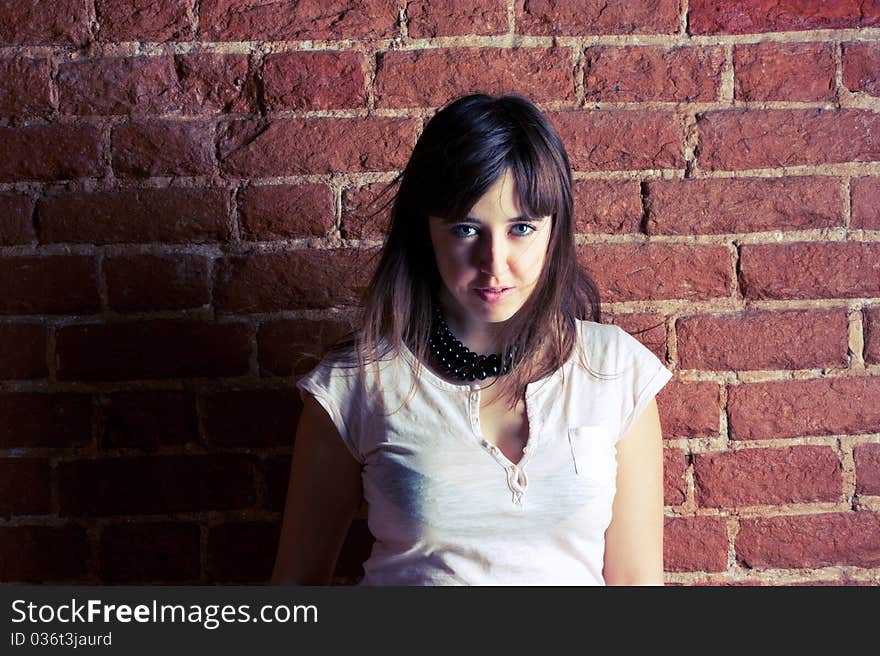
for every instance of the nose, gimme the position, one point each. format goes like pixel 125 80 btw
pixel 492 253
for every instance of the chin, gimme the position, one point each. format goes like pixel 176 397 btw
pixel 496 314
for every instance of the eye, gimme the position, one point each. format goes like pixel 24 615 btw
pixel 464 230
pixel 460 230
pixel 522 229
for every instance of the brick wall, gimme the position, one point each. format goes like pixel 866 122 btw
pixel 184 186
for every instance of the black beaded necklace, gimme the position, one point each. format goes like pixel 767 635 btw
pixel 457 360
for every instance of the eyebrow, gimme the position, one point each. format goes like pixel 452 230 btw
pixel 516 219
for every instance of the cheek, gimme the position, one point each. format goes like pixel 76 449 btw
pixel 451 258
pixel 532 260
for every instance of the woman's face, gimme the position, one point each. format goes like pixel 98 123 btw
pixel 491 261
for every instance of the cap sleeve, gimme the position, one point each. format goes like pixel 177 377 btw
pixel 335 389
pixel 646 375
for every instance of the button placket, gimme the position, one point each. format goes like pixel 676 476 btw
pixel 474 410
pixel 517 481
pixel 516 475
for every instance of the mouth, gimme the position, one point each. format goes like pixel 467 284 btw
pixel 492 294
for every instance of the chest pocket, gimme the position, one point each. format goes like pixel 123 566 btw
pixel 594 454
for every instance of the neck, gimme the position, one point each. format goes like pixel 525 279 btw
pixel 478 336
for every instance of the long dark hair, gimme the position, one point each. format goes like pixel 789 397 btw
pixel 463 150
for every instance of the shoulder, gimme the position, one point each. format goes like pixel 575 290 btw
pixel 591 332
pixel 343 371
pixel 602 338
pixel 611 349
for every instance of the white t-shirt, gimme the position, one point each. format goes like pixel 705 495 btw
pixel 448 508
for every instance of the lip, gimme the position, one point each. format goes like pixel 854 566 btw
pixel 492 294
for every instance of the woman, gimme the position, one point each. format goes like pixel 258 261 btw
pixel 538 461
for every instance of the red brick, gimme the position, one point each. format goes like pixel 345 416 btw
pixel 39 419
pixel 810 270
pixel 242 552
pixel 276 472
pixel 861 67
pixel 799 339
pixel 23 351
pixel 156 282
pixel 143 20
pixel 156 484
pixel 731 205
pixel 865 203
pixel 176 214
pixel 646 73
pixel 43 554
pixel 872 335
pixel 694 544
pixel 147 419
pixel 583 17
pixel 791 408
pixel 627 272
pixel 755 16
pixel 607 206
pixel 317 145
pixel 418 78
pixel 182 84
pixel 294 346
pixel 157 552
pixel 456 18
pixel 51 152
pixel 24 486
pixel 867 458
pixel 271 212
pixel 217 83
pixel 265 282
pixel 118 85
pixel 245 20
pixel 251 418
pixel 152 349
pixel 755 138
pixel 42 23
pixel 151 148
pixel 366 211
pixel 621 139
pixel 24 87
pixel 753 477
pixel 52 284
pixel 674 485
pixel 308 80
pixel 16 224
pixel 807 541
pixel 784 71
pixel 689 409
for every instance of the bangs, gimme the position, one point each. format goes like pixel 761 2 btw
pixel 539 185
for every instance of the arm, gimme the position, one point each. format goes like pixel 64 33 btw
pixel 323 496
pixel 634 539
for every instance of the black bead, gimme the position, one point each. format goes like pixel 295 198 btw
pixel 458 360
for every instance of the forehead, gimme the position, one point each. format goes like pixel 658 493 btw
pixel 499 202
